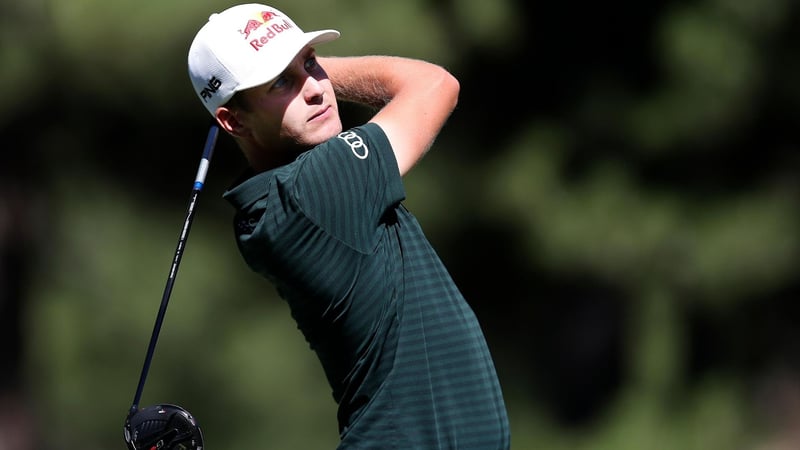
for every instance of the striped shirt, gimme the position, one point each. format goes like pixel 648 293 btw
pixel 401 349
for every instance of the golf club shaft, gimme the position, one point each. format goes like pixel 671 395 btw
pixel 187 224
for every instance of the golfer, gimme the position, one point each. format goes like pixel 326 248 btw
pixel 319 214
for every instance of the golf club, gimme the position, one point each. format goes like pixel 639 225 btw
pixel 167 426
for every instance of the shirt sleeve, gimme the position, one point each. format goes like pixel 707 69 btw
pixel 350 185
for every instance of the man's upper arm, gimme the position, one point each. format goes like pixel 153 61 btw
pixel 416 114
pixel 347 185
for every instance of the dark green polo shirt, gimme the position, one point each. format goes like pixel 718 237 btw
pixel 401 348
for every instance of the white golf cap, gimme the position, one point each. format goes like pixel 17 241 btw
pixel 242 47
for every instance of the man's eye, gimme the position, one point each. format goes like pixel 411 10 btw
pixel 280 81
pixel 311 63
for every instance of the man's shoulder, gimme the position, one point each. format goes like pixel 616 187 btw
pixel 361 142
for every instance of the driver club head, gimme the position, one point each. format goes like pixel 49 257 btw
pixel 162 427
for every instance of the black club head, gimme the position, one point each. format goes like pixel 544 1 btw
pixel 162 427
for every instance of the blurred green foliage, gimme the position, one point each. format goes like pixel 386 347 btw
pixel 616 194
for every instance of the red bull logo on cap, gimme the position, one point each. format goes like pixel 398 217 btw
pixel 254 24
pixel 272 30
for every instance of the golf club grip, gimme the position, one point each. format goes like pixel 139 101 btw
pixel 208 151
pixel 202 170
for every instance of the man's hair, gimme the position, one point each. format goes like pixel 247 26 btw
pixel 238 101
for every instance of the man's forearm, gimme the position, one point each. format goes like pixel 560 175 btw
pixel 360 79
pixel 414 98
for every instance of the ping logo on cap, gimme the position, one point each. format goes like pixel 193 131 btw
pixel 210 89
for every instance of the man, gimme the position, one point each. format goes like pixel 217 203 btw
pixel 320 215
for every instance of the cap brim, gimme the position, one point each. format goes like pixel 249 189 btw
pixel 280 59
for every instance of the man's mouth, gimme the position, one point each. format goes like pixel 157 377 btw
pixel 321 113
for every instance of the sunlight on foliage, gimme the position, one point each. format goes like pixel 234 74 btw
pixel 488 24
pixel 712 75
pixel 609 226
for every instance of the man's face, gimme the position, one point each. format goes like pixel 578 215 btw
pixel 298 108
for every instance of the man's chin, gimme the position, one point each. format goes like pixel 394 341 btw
pixel 327 132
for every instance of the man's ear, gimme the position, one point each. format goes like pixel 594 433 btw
pixel 228 120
